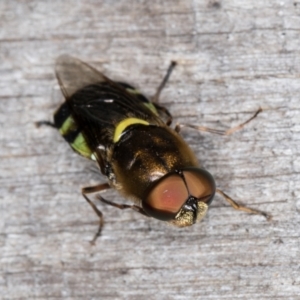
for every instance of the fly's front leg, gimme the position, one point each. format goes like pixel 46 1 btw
pixel 99 188
pixel 94 189
pixel 237 206
pixel 123 206
pixel 216 131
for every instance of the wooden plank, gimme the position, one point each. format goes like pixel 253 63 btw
pixel 233 56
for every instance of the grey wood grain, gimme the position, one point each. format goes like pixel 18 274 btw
pixel 233 56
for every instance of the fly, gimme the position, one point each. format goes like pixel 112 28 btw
pixel 142 157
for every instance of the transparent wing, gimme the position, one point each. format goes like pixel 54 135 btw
pixel 73 75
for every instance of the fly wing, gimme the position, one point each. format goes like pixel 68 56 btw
pixel 98 104
pixel 73 75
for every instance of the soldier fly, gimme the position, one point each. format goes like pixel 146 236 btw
pixel 143 158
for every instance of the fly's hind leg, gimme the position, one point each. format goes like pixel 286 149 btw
pixel 46 123
pixel 164 82
pixel 216 131
pixel 237 206
pixel 155 98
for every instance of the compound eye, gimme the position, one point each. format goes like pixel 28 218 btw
pixel 201 184
pixel 166 198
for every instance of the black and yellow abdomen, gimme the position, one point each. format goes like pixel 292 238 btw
pixel 71 132
pixel 115 117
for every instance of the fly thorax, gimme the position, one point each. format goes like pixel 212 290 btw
pixel 145 153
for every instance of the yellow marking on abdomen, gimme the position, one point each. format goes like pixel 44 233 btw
pixel 68 125
pixel 80 145
pixel 124 124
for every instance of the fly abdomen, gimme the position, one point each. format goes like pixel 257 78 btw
pixel 71 132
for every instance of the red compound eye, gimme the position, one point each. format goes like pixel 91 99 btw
pixel 166 198
pixel 200 183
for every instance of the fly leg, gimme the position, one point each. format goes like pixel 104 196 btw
pixel 94 189
pixel 47 123
pixel 163 83
pixel 155 98
pixel 216 131
pixel 99 188
pixel 123 206
pixel 237 206
pixel 162 109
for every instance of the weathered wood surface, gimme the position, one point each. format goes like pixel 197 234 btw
pixel 233 56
